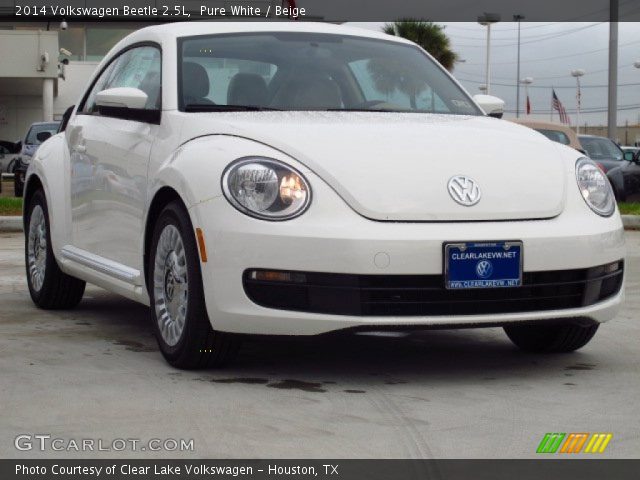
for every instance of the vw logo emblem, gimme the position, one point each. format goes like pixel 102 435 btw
pixel 464 190
pixel 484 269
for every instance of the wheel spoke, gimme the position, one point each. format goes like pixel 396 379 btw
pixel 170 285
pixel 37 248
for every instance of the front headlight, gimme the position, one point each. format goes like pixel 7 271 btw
pixel 266 188
pixel 595 188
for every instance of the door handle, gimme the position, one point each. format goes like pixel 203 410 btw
pixel 80 149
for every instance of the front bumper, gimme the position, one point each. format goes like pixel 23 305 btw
pixel 331 238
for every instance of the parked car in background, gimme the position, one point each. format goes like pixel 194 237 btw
pixel 38 133
pixel 622 168
pixel 9 153
pixel 634 150
pixel 553 131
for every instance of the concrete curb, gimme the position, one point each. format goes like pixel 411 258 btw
pixel 14 224
pixel 631 222
pixel 10 224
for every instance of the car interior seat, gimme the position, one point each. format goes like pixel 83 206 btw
pixel 196 87
pixel 247 89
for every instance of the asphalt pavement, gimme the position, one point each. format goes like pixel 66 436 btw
pixel 95 373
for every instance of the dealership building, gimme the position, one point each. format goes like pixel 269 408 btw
pixel 46 65
pixel 45 68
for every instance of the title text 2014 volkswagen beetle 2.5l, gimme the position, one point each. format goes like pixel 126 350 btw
pixel 297 179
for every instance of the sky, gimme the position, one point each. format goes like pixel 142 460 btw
pixel 549 51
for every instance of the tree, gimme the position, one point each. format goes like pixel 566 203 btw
pixel 429 36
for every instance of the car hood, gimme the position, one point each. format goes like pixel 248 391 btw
pixel 611 164
pixel 396 166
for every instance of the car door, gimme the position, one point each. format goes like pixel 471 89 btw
pixel 4 158
pixel 631 178
pixel 109 154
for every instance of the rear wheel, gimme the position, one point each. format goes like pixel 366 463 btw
pixel 50 288
pixel 180 318
pixel 562 337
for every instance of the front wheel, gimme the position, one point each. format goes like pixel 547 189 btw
pixel 562 337
pixel 179 314
pixel 50 287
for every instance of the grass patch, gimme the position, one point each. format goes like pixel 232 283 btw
pixel 10 206
pixel 627 208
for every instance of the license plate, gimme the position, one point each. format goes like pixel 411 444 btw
pixel 483 265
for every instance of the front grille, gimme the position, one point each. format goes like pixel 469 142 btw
pixel 416 295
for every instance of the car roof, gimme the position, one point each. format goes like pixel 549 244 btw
pixel 188 29
pixel 542 125
pixel 44 123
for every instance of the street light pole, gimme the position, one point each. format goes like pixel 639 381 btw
pixel 518 18
pixel 612 115
pixel 577 74
pixel 487 19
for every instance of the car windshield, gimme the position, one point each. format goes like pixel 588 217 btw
pixel 32 136
pixel 555 135
pixel 600 148
pixel 309 71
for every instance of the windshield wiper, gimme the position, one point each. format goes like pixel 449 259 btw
pixel 206 107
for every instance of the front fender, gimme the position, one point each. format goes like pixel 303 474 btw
pixel 51 166
pixel 195 169
pixel 616 178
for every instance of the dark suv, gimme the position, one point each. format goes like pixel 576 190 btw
pixel 37 134
pixel 622 168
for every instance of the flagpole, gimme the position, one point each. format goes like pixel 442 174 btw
pixel 526 81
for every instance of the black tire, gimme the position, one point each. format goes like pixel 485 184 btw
pixel 561 337
pixel 58 290
pixel 18 185
pixel 199 346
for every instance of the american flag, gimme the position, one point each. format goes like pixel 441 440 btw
pixel 557 105
pixel 528 106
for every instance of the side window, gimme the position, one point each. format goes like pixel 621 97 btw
pixel 140 68
pixel 90 103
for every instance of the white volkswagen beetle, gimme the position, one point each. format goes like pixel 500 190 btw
pixel 296 179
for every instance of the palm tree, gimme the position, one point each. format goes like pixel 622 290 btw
pixel 429 36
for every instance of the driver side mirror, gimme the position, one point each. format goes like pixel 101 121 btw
pixel 127 103
pixel 122 97
pixel 492 106
pixel 43 136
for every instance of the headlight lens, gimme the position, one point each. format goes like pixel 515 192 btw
pixel 266 189
pixel 595 188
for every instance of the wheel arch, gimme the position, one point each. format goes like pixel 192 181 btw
pixel 32 185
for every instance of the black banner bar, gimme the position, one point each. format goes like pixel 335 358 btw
pixel 323 10
pixel 543 469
